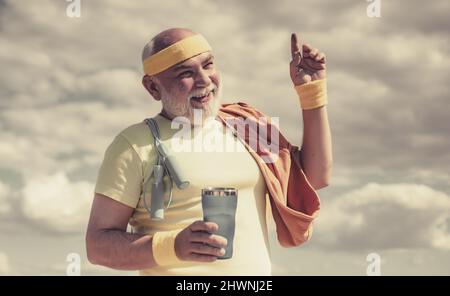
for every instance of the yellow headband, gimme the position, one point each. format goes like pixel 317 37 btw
pixel 175 53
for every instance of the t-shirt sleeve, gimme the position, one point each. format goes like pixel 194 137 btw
pixel 121 173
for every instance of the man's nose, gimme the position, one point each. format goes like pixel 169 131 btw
pixel 203 79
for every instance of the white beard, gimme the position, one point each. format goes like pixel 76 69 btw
pixel 186 110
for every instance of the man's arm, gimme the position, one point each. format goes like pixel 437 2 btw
pixel 316 154
pixel 108 243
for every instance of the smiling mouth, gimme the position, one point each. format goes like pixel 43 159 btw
pixel 203 99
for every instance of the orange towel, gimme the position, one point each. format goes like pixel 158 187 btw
pixel 294 202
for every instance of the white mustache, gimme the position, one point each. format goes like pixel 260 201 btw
pixel 203 92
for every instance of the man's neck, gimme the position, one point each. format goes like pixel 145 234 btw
pixel 164 114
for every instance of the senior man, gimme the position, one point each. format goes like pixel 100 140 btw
pixel 180 71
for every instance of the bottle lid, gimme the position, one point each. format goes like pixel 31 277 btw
pixel 220 191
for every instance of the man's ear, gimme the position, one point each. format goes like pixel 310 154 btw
pixel 151 86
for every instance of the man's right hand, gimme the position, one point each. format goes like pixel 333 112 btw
pixel 197 242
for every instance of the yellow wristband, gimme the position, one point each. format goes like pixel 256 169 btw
pixel 312 94
pixel 163 246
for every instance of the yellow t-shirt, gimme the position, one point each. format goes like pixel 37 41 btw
pixel 129 160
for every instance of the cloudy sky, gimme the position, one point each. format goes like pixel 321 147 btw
pixel 68 85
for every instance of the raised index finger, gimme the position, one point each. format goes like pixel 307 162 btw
pixel 295 48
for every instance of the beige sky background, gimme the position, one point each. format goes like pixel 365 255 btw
pixel 69 85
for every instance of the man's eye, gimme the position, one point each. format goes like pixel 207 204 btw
pixel 209 65
pixel 184 74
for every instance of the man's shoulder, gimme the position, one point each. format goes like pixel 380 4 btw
pixel 241 109
pixel 137 136
pixel 236 105
pixel 136 133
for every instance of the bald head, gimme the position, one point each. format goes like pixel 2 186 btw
pixel 165 39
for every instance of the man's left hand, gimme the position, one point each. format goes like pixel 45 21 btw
pixel 308 65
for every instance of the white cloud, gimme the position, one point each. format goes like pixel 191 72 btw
pixel 116 86
pixel 381 216
pixel 55 203
pixel 5 268
pixel 5 194
pixel 70 135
